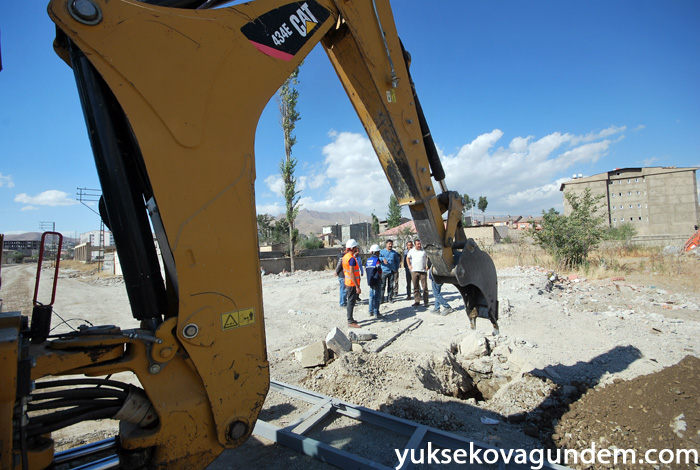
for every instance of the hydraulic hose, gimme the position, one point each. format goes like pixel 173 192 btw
pixel 65 403
pixel 38 429
pixel 82 381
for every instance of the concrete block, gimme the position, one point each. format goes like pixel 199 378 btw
pixel 338 342
pixel 315 354
pixel 357 348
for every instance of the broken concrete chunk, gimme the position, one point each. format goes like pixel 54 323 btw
pixel 360 335
pixel 357 348
pixel 338 342
pixel 315 354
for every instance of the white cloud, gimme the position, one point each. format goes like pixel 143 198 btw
pixel 316 181
pixel 29 208
pixel 650 161
pixel 522 177
pixel 356 180
pixel 275 184
pixel 537 198
pixel 351 179
pixel 272 209
pixel 610 131
pixel 6 181
pixel 51 197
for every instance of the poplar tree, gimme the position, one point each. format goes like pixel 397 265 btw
pixel 375 224
pixel 393 218
pixel 287 100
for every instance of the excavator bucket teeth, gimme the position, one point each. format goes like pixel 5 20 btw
pixel 477 282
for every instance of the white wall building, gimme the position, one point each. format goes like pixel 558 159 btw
pixel 93 238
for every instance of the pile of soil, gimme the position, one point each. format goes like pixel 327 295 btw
pixel 655 411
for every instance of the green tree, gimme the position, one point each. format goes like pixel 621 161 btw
pixel 623 233
pixel 311 242
pixel 375 224
pixel 287 100
pixel 469 204
pixel 393 218
pixel 482 204
pixel 569 239
pixel 280 232
pixel 404 235
pixel 265 224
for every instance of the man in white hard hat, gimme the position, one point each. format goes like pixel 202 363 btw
pixel 351 270
pixel 374 280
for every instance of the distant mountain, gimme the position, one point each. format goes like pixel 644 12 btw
pixel 312 221
pixel 24 237
pixel 35 237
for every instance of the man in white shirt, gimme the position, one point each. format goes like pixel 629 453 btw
pixel 418 264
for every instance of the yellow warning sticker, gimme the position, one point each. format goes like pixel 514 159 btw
pixel 231 320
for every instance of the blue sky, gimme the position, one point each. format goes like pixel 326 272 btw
pixel 519 96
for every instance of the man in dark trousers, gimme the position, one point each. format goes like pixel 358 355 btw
pixel 374 280
pixel 341 279
pixel 407 270
pixel 390 260
pixel 351 270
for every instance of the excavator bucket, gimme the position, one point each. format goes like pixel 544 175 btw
pixel 478 284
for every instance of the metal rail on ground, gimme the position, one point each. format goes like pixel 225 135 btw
pixel 295 435
pixel 417 436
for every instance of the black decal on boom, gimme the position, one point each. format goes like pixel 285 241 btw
pixel 282 32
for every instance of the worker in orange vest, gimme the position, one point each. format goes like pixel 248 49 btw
pixel 351 271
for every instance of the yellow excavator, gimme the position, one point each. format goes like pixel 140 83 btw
pixel 172 91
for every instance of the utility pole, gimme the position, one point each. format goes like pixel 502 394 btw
pixel 93 195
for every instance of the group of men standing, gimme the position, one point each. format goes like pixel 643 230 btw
pixel 383 267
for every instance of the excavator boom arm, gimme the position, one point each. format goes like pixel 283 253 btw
pixel 172 95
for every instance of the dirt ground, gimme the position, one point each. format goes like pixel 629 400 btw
pixel 608 361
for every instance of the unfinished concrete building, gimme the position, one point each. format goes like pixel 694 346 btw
pixel 660 202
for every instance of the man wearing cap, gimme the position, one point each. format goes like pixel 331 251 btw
pixel 351 270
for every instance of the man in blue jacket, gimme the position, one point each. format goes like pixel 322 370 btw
pixel 390 261
pixel 374 280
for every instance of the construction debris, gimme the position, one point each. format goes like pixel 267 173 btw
pixel 313 355
pixel 337 342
